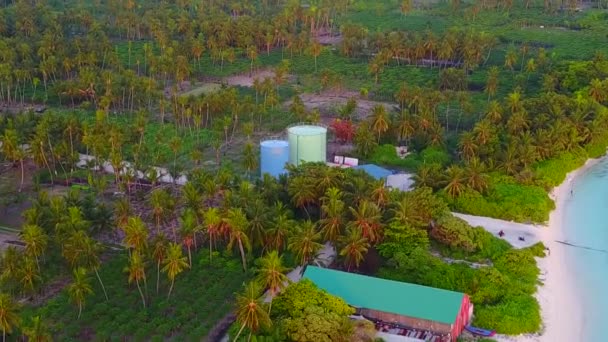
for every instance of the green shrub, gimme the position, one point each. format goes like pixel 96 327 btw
pixel 552 172
pixel 505 199
pixel 387 155
pixel 516 315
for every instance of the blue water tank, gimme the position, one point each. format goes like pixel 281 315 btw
pixel 274 154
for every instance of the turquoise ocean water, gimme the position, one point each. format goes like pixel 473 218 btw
pixel 586 224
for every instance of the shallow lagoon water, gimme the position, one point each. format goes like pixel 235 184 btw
pixel 585 224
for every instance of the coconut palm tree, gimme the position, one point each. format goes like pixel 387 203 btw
pixel 280 228
pixel 271 274
pixel 79 249
pixel 250 311
pixel 354 248
pixel 37 331
pixel 305 242
pixel 332 209
pixel 257 215
pixel 455 181
pixel 162 204
pixel 315 50
pixel 175 263
pixel 367 218
pixel 159 253
pixel 466 144
pixel 13 151
pixel 29 276
pixel 492 82
pixel 36 241
pixel 380 120
pixel 302 191
pixel 80 288
pixel 475 176
pixel 137 271
pixel 9 316
pixel 188 227
pixel 213 222
pixel 66 224
pixel 136 234
pixel 236 223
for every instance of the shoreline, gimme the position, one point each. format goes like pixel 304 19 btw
pixel 560 308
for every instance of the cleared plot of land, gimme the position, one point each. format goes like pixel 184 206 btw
pixel 329 103
pixel 247 80
pixel 205 88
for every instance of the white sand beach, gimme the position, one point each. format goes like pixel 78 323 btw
pixel 557 296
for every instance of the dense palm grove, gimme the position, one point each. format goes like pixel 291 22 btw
pixel 293 216
pixel 492 124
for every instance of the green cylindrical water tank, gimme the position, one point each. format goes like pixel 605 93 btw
pixel 307 143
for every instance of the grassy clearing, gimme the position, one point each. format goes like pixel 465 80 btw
pixel 205 88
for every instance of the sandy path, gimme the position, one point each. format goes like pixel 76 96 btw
pixel 513 230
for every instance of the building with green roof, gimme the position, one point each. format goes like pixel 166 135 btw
pixel 410 305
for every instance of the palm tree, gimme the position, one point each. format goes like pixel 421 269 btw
pixel 494 112
pixel 29 275
pixel 162 206
pixel 281 227
pixel 80 288
pixel 302 191
pixel 250 311
pixel 37 331
pixel 35 240
pixel 13 151
pixel 9 317
pixel 315 51
pixel 305 242
pixel 236 223
pixel 367 218
pixel 271 274
pixel 10 262
pixel 455 181
pixel 136 234
pixel 81 250
pixel 475 175
pixel 380 120
pixel 213 221
pixel 511 58
pixel 492 82
pixel 175 263
pixel 193 199
pixel 332 209
pixel 189 226
pixel 466 144
pixel 355 248
pixel 137 272
pixel 257 215
pixel 159 253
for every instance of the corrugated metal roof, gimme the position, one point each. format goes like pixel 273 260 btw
pixel 374 170
pixel 388 296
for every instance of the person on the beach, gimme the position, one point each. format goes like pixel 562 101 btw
pixel 501 233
